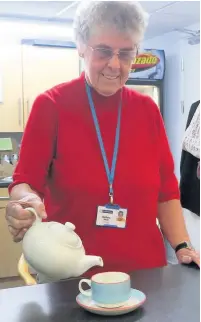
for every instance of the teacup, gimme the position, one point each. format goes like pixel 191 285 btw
pixel 109 289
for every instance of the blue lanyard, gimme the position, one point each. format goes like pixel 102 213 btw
pixel 110 174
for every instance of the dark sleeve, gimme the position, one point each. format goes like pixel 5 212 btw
pixel 192 112
pixel 37 146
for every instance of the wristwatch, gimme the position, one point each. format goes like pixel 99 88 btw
pixel 185 244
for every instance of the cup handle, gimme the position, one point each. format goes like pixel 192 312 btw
pixel 32 210
pixel 88 292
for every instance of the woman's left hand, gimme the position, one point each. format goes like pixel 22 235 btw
pixel 186 256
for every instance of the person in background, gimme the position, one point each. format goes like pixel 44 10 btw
pixel 100 142
pixel 190 177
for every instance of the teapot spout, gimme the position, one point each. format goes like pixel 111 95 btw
pixel 88 262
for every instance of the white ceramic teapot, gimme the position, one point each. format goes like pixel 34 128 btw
pixel 55 251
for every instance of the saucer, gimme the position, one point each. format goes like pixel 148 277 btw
pixel 136 299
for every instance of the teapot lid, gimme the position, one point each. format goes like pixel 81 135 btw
pixel 65 234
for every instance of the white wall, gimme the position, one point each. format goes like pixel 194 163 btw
pixel 191 79
pixel 172 89
pixel 191 74
pixel 15 31
pixel 178 85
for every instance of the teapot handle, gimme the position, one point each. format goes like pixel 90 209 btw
pixel 32 210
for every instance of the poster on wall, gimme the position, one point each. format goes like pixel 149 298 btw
pixel 148 65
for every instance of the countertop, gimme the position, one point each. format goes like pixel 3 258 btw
pixel 172 292
pixel 4 183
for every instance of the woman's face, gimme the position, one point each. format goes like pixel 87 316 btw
pixel 105 70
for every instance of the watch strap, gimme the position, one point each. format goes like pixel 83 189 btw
pixel 183 245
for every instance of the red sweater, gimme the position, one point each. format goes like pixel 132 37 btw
pixel 78 184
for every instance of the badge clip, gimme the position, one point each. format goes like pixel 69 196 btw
pixel 111 195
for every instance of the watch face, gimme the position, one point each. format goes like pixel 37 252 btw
pixel 189 245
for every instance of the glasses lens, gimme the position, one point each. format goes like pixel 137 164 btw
pixel 107 53
pixel 127 55
pixel 102 53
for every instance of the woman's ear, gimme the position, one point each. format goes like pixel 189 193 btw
pixel 81 49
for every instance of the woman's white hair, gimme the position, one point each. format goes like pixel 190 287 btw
pixel 125 16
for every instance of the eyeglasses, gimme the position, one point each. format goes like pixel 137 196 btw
pixel 107 53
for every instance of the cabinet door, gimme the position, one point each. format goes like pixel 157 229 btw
pixel 45 67
pixel 10 252
pixel 11 108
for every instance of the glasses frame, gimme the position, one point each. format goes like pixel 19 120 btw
pixel 118 53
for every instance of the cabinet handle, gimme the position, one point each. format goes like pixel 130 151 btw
pixel 19 111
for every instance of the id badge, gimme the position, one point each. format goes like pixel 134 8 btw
pixel 111 216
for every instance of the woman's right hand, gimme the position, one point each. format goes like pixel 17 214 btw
pixel 19 219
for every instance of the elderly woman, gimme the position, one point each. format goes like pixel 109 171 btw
pixel 93 147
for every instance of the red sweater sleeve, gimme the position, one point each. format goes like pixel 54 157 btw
pixel 37 145
pixel 169 188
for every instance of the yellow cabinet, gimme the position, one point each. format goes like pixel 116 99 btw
pixel 25 72
pixel 45 67
pixel 10 252
pixel 11 105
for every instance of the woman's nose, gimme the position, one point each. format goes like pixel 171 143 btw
pixel 114 62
